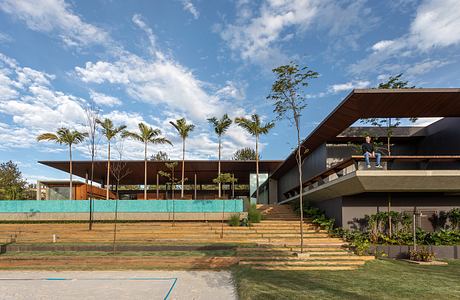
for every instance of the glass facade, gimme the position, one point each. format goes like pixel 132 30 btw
pixel 59 193
pixel 253 183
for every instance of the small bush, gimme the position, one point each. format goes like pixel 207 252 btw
pixel 421 254
pixel 234 220
pixel 254 216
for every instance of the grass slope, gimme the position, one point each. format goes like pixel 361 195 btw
pixel 379 279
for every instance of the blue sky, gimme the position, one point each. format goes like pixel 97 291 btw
pixel 155 61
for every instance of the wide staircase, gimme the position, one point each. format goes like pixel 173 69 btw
pixel 321 252
pixel 270 244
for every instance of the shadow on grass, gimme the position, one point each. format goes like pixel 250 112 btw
pixel 380 279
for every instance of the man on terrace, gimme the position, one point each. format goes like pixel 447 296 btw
pixel 368 152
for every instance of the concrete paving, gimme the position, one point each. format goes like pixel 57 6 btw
pixel 112 285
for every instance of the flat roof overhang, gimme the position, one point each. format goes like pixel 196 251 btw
pixel 408 181
pixel 378 103
pixel 205 170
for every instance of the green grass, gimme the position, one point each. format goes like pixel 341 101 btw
pixel 379 279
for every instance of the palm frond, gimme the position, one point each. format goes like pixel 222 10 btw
pixel 220 125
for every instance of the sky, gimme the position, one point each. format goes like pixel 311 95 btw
pixel 157 61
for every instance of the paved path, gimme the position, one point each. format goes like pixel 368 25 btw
pixel 116 285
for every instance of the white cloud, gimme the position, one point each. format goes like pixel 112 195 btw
pixel 425 66
pixel 188 6
pixel 382 45
pixel 232 90
pixel 33 105
pixel 348 86
pixel 436 25
pixel 56 16
pixel 137 19
pixel 161 81
pixel 103 99
pixel 258 37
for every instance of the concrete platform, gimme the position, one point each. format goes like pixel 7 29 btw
pixel 116 285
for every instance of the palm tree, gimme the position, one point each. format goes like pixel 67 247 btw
pixel 109 131
pixel 184 130
pixel 146 135
pixel 255 128
pixel 67 137
pixel 220 127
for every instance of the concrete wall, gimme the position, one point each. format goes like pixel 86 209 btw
pixel 332 208
pixel 443 138
pixel 178 216
pixel 356 207
pixel 312 165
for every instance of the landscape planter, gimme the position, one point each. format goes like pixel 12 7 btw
pixel 402 251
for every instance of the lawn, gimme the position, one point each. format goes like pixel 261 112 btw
pixel 379 279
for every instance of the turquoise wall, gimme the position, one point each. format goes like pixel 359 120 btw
pixel 69 206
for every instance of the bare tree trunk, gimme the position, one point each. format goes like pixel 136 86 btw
pixel 108 172
pixel 299 165
pixel 389 215
pixel 183 168
pixel 90 225
pixel 115 224
pixel 70 168
pixel 218 170
pixel 257 169
pixel 145 171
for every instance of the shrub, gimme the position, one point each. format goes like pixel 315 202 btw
pixel 254 216
pixel 421 254
pixel 234 220
pixel 454 218
pixel 324 222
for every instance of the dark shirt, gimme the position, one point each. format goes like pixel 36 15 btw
pixel 367 147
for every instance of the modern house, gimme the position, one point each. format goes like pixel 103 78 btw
pixel 199 176
pixel 422 174
pixel 59 189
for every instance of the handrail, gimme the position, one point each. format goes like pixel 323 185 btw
pixel 353 160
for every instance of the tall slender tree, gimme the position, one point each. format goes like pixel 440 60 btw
pixel 146 135
pixel 92 114
pixel 65 136
pixel 255 128
pixel 109 131
pixel 220 127
pixel 289 98
pixel 184 130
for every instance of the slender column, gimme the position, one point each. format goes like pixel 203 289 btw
pixel 195 187
pixel 39 190
pixel 158 186
pixel 233 186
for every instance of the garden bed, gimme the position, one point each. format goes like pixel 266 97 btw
pixel 402 251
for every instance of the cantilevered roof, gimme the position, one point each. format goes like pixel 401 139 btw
pixel 205 170
pixel 379 103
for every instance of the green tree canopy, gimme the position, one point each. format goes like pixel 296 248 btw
pixel 245 154
pixel 12 185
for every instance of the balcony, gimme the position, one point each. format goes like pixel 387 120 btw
pixel 400 173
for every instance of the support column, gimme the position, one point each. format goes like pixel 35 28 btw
pixel 158 186
pixel 233 186
pixel 194 192
pixel 39 190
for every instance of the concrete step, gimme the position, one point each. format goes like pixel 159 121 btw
pixel 329 258
pixel 306 268
pixel 303 263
